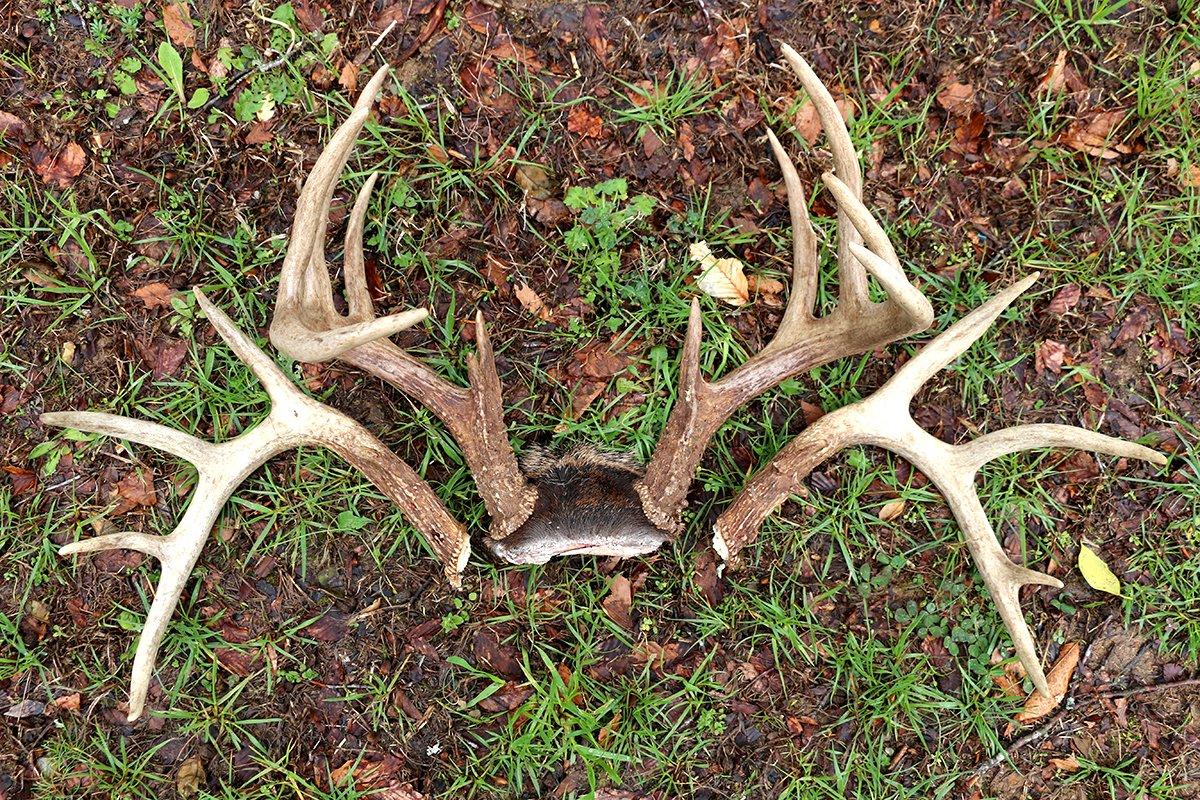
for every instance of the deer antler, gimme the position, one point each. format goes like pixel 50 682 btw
pixel 307 327
pixel 803 341
pixel 294 420
pixel 883 420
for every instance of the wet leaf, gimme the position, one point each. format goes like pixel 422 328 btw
pixel 1096 572
pixel 331 627
pixel 26 708
pixel 1059 677
pixel 1055 79
pixel 532 302
pixel 1094 133
pixel 1066 299
pixel 720 278
pixel 155 295
pixel 136 489
pixel 1050 356
pixel 582 122
pixel 177 20
pixel 957 98
pixel 190 777
pixel 617 606
pixel 64 168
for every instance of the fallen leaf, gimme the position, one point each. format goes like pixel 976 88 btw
pixel 68 352
pixel 65 167
pixel 177 19
pixel 617 606
pixel 1050 356
pixel 583 123
pixel 136 489
pixel 190 777
pixel 533 180
pixel 165 356
pixel 808 122
pixel 595 33
pixel 1190 177
pixel 23 480
pixel 259 133
pixel 1068 764
pixel 957 98
pixel 891 509
pixel 348 78
pixel 68 702
pixel 155 295
pixel 1055 78
pixel 1093 133
pixel 721 278
pixel 331 627
pixel 1059 677
pixel 12 127
pixel 1096 572
pixel 1065 299
pixel 26 708
pixel 532 302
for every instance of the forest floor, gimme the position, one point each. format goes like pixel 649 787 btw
pixel 318 651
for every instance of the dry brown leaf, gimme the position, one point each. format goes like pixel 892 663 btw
pixel 190 777
pixel 155 295
pixel 1065 299
pixel 957 98
pixel 892 509
pixel 1190 177
pixel 1055 78
pixel 1059 678
pixel 1068 764
pixel 618 604
pixel 177 19
pixel 533 180
pixel 65 167
pixel 584 124
pixel 532 302
pixel 259 133
pixel 1093 133
pixel 720 278
pixel 808 122
pixel 68 702
pixel 136 489
pixel 348 79
pixel 1050 357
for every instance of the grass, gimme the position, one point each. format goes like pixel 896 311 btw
pixel 821 670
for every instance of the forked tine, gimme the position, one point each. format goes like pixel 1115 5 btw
pixel 307 327
pixel 802 341
pixel 883 420
pixel 294 420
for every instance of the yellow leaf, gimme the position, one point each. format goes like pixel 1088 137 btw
pixel 1096 572
pixel 722 278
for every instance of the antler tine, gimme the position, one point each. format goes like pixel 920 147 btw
pixel 306 327
pixel 294 420
pixel 883 420
pixel 802 341
pixel 852 281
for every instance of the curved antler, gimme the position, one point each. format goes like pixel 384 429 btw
pixel 294 420
pixel 307 327
pixel 883 420
pixel 803 340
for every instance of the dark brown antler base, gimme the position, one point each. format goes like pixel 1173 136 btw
pixel 587 504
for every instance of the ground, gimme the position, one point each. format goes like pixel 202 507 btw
pixel 319 653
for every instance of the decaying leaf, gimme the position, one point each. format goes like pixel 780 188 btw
pixel 64 167
pixel 1068 764
pixel 957 98
pixel 1094 133
pixel 619 602
pixel 190 777
pixel 532 302
pixel 891 509
pixel 1096 572
pixel 1059 677
pixel 155 295
pixel 177 20
pixel 720 278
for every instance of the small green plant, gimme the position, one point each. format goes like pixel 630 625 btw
pixel 662 105
pixel 606 218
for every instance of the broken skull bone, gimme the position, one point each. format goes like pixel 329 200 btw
pixel 588 501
